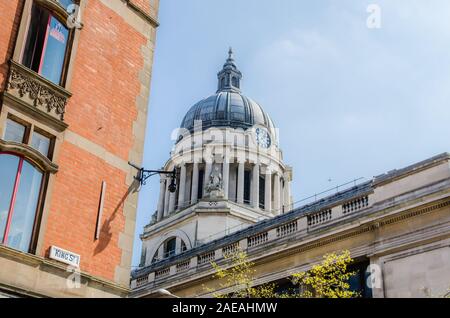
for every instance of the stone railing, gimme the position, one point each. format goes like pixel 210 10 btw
pixel 230 249
pixel 258 239
pixel 183 266
pixel 162 273
pixel 287 229
pixel 355 205
pixel 31 91
pixel 319 217
pixel 206 258
pixel 294 226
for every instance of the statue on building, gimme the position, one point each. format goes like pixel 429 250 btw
pixel 214 188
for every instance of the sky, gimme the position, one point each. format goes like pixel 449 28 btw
pixel 349 101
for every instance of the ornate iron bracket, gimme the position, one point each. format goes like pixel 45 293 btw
pixel 144 174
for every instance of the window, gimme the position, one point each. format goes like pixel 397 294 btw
pixel 169 247
pixel 358 282
pixel 201 177
pixel 21 132
pixel 262 191
pixel 20 187
pixel 40 143
pixel 247 186
pixel 235 82
pixel 14 131
pixel 46 45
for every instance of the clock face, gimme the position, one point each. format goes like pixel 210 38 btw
pixel 263 138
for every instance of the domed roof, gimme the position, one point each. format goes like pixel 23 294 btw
pixel 228 107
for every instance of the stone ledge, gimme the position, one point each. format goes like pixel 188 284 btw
pixel 33 264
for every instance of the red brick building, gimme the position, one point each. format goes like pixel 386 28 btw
pixel 74 85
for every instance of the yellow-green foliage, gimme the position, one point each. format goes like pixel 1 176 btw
pixel 328 279
pixel 238 279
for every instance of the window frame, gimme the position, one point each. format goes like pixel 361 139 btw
pixel 39 204
pixel 55 12
pixel 59 12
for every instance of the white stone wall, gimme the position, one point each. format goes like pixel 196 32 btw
pixel 418 272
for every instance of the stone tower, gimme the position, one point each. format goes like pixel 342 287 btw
pixel 231 173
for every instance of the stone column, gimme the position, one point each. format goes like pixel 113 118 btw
pixel 255 186
pixel 277 194
pixel 166 198
pixel 240 183
pixel 287 196
pixel 194 194
pixel 268 191
pixel 162 190
pixel 226 178
pixel 182 187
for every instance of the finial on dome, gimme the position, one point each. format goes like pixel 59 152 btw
pixel 230 53
pixel 229 77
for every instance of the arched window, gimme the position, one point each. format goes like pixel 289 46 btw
pixel 170 247
pixel 20 188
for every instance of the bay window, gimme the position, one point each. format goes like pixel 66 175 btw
pixel 20 188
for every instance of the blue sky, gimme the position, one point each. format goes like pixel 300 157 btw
pixel 349 101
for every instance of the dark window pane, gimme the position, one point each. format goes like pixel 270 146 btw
pixel 201 176
pixel 36 37
pixel 24 213
pixel 8 171
pixel 247 186
pixel 262 191
pixel 169 248
pixel 14 131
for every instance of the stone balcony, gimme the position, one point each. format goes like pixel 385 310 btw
pixel 361 204
pixel 36 95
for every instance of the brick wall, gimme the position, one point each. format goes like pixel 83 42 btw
pixel 105 85
pixel 71 223
pixel 10 13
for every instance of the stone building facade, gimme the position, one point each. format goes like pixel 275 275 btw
pixel 74 85
pixel 396 225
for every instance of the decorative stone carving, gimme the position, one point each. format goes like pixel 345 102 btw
pixel 31 89
pixel 214 188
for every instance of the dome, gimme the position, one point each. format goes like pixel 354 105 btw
pixel 228 107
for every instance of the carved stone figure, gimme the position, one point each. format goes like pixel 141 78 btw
pixel 214 188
